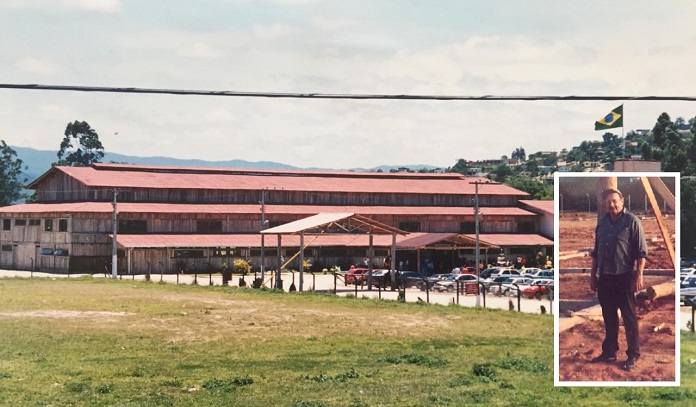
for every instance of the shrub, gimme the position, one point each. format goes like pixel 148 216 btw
pixel 241 266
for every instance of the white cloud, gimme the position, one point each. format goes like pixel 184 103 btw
pixel 199 50
pixel 273 31
pixel 38 66
pixel 99 6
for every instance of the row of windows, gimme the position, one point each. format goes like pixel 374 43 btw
pixel 44 251
pixel 215 226
pixel 48 224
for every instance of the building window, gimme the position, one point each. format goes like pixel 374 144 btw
pixel 526 227
pixel 20 222
pixel 48 225
pixel 224 252
pixel 6 224
pixel 132 226
pixel 467 227
pixel 334 251
pixel 34 222
pixel 7 248
pixel 46 252
pixel 188 253
pixel 209 226
pixel 62 225
pixel 267 252
pixel 410 226
pixel 61 252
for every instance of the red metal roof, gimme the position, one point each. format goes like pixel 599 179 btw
pixel 510 239
pixel 411 241
pixel 544 206
pixel 126 176
pixel 249 240
pixel 129 207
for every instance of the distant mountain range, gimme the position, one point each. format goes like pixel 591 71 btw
pixel 39 161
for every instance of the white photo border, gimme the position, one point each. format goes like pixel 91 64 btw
pixel 677 256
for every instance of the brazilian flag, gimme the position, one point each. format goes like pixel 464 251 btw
pixel 613 119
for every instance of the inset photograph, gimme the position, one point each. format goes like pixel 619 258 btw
pixel 616 318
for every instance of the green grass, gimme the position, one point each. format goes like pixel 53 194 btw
pixel 222 346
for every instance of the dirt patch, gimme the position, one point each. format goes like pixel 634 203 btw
pixel 579 344
pixel 65 314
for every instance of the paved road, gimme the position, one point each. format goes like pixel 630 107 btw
pixel 324 283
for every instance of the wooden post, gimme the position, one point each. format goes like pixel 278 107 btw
pixel 604 183
pixel 658 216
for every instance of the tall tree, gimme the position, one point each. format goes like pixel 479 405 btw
pixel 519 154
pixel 11 181
pixel 537 189
pixel 461 167
pixel 80 146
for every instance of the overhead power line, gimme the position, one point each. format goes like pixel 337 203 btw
pixel 314 95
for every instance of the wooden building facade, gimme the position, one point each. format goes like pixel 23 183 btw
pixel 69 227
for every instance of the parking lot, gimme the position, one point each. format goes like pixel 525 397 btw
pixel 327 283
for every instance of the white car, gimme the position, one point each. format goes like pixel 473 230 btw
pixel 450 285
pixel 508 288
pixel 688 292
pixel 507 272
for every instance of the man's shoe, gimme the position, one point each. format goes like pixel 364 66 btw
pixel 604 358
pixel 630 363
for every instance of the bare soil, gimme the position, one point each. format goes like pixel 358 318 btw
pixel 578 345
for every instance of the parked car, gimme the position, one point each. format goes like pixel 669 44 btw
pixel 407 278
pixel 687 282
pixel 356 276
pixel 507 273
pixel 539 273
pixel 688 292
pixel 508 286
pixel 428 283
pixel 487 283
pixel 450 284
pixel 538 288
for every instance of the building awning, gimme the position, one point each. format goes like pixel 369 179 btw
pixel 412 241
pixel 510 239
pixel 341 222
pixel 175 241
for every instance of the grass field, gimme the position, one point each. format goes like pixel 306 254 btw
pixel 83 342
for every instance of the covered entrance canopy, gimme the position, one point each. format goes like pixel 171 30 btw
pixel 342 223
pixel 440 241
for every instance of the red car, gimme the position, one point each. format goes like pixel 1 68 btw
pixel 356 276
pixel 538 288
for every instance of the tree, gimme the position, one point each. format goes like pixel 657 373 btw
pixel 80 146
pixel 460 167
pixel 537 189
pixel 11 181
pixel 519 154
pixel 501 172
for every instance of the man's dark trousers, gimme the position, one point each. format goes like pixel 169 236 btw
pixel 615 293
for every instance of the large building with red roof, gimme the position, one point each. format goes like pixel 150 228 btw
pixel 168 216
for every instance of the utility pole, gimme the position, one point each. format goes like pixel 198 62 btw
pixel 477 251
pixel 114 244
pixel 263 226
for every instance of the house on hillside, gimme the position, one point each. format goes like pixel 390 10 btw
pixel 170 217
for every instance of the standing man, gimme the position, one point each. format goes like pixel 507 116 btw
pixel 618 260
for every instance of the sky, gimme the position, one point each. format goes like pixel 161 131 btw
pixel 416 47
